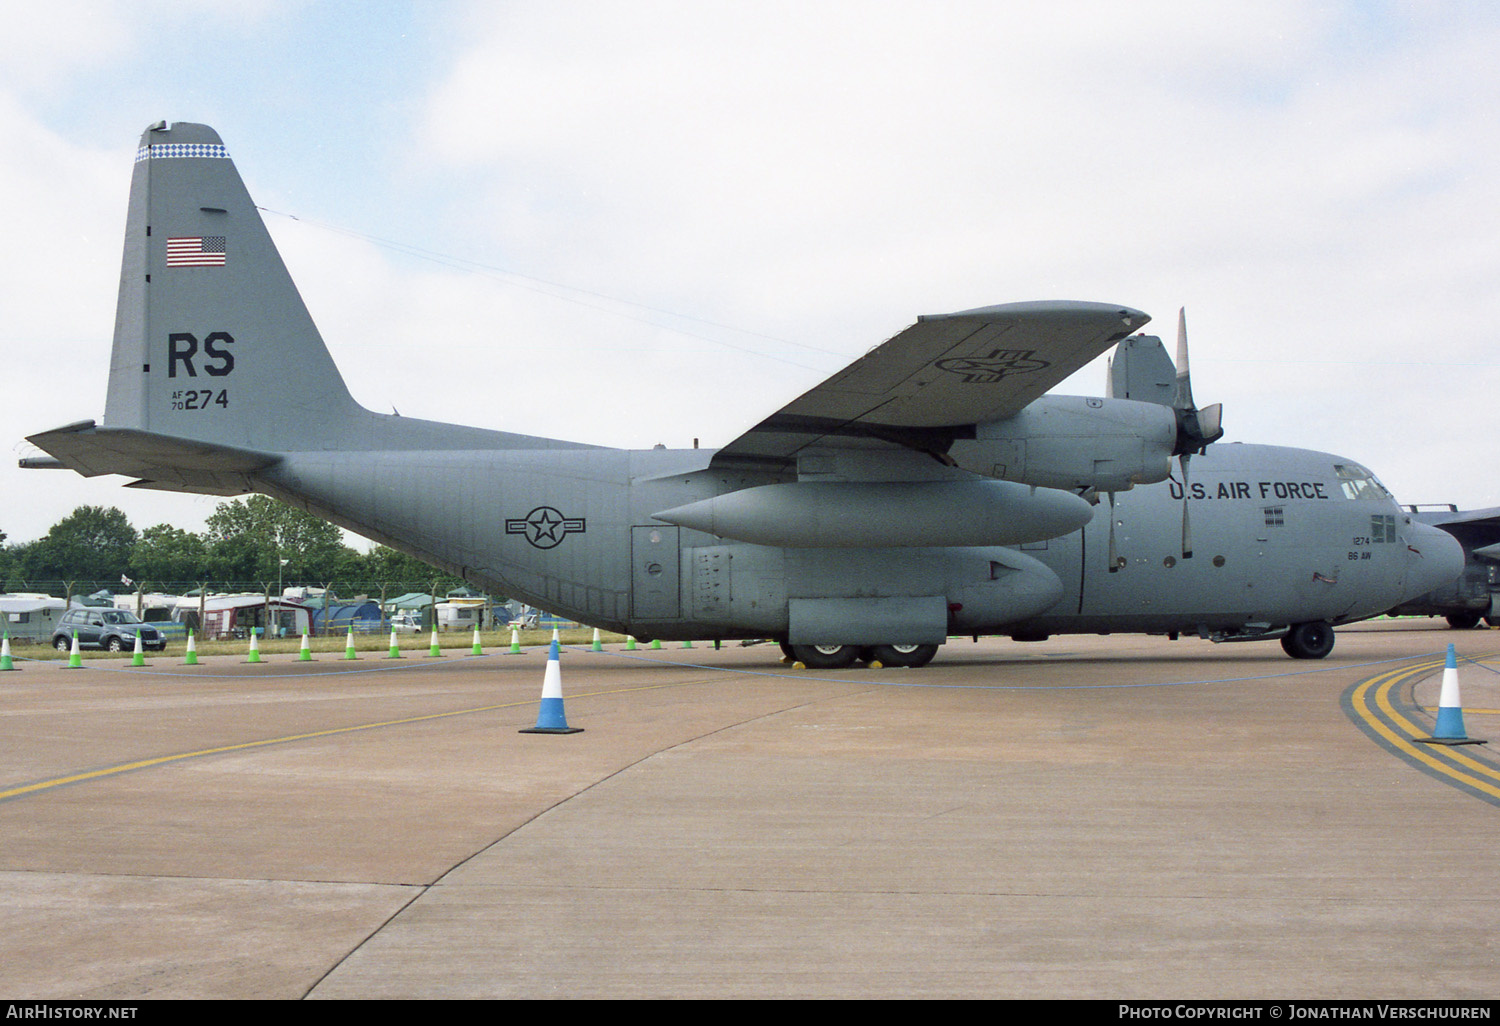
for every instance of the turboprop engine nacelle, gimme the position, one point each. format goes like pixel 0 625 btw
pixel 1075 443
pixel 885 514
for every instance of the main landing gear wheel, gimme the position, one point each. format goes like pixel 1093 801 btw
pixel 902 655
pixel 1308 640
pixel 825 657
pixel 1463 621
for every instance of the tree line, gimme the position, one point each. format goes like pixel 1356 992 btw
pixel 247 545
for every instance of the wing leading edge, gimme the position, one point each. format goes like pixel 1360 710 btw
pixel 931 383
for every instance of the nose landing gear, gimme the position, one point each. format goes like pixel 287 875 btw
pixel 1312 640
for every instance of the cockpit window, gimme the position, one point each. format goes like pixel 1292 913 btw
pixel 1359 483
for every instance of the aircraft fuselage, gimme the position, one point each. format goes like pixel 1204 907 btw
pixel 1278 540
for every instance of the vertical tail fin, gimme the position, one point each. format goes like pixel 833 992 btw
pixel 212 340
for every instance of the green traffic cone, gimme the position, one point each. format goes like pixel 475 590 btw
pixel 190 657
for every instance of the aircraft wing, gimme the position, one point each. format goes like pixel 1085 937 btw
pixel 1442 518
pixel 932 382
pixel 160 461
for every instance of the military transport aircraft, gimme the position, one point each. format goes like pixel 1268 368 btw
pixel 929 489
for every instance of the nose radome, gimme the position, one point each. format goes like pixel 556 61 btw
pixel 1435 560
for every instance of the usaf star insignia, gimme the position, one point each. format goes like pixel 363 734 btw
pixel 546 527
pixel 988 369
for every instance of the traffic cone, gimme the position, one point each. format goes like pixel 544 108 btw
pixel 305 656
pixel 655 644
pixel 550 717
pixel 254 656
pixel 687 644
pixel 139 659
pixel 478 645
pixel 5 660
pixel 597 646
pixel 630 642
pixel 1450 716
pixel 515 642
pixel 190 657
pixel 75 657
pixel 349 650
pixel 434 649
pixel 395 647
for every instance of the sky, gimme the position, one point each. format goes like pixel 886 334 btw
pixel 647 222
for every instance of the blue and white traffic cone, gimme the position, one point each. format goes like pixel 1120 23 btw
pixel 1450 716
pixel 551 718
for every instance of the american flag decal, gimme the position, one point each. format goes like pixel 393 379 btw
pixel 207 251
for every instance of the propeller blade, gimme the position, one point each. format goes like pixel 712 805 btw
pixel 1187 531
pixel 1184 375
pixel 1211 422
pixel 1195 428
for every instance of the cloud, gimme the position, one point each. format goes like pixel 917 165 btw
pixel 654 222
pixel 1309 180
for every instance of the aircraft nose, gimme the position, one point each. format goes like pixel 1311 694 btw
pixel 1434 560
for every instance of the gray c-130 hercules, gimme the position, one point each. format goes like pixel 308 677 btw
pixel 929 489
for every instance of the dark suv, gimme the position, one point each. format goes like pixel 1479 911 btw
pixel 114 629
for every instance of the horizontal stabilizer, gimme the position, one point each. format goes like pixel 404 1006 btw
pixel 160 461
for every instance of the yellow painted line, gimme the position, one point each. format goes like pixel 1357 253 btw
pixel 161 760
pixel 1446 761
pixel 1383 701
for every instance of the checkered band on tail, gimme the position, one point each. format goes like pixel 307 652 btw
pixel 159 151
